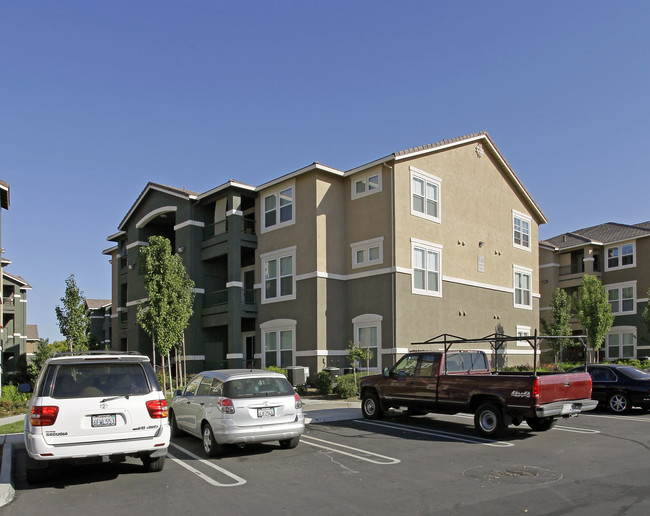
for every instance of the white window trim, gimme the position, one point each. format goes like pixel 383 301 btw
pixel 276 193
pixel 523 217
pixel 620 287
pixel 276 255
pixel 366 245
pixel 620 256
pixel 369 321
pixel 525 330
pixel 620 330
pixel 276 326
pixel 427 246
pixel 421 174
pixel 521 270
pixel 364 179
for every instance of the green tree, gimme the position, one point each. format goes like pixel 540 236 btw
pixel 357 355
pixel 594 312
pixel 44 350
pixel 561 309
pixel 168 308
pixel 72 316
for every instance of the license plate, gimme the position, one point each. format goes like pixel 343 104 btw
pixel 567 408
pixel 103 420
pixel 266 412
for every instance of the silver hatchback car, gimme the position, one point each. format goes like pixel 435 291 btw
pixel 238 406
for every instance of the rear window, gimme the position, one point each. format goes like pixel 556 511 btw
pixel 257 388
pixel 98 379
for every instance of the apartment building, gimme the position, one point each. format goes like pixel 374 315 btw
pixel 435 239
pixel 15 344
pixel 619 256
pixel 99 315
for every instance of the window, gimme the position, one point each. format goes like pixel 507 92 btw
pixel 366 185
pixel 522 288
pixel 523 331
pixel 278 340
pixel 368 252
pixel 520 230
pixel 621 343
pixel 621 256
pixel 425 195
pixel 426 258
pixel 367 334
pixel 278 209
pixel 622 297
pixel 279 273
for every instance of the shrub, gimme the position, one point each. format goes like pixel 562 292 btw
pixel 278 370
pixel 345 387
pixel 13 401
pixel 324 383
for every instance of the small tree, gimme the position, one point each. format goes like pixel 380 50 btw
pixel 72 316
pixel 561 309
pixel 44 350
pixel 168 308
pixel 594 312
pixel 356 355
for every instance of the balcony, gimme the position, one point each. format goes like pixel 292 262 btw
pixel 247 227
pixel 216 307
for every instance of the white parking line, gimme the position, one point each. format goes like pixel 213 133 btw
pixel 621 418
pixel 576 430
pixel 440 433
pixel 368 455
pixel 238 480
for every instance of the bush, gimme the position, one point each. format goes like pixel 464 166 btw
pixel 345 387
pixel 324 383
pixel 278 370
pixel 12 401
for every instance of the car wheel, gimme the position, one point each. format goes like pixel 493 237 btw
pixel 175 431
pixel 619 403
pixel 210 445
pixel 541 424
pixel 488 420
pixel 370 406
pixel 37 472
pixel 287 444
pixel 153 465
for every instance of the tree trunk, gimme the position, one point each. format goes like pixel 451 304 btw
pixel 164 375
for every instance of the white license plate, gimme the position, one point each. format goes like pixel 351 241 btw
pixel 103 420
pixel 567 408
pixel 266 412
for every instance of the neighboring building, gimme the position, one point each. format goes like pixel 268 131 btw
pixel 4 204
pixel 436 239
pixel 14 323
pixel 619 256
pixel 31 340
pixel 99 313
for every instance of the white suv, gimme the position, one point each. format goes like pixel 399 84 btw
pixel 96 406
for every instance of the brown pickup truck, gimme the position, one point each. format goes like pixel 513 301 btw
pixel 462 381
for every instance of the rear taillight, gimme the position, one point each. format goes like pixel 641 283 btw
pixel 535 387
pixel 226 405
pixel 298 401
pixel 44 416
pixel 157 409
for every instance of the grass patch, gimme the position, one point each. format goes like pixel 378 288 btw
pixel 13 428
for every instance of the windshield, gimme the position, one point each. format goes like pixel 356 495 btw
pixel 97 379
pixel 257 388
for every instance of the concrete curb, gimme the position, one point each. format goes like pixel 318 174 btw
pixel 7 492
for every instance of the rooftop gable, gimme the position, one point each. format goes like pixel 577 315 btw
pixel 602 234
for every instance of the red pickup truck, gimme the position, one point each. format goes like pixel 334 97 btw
pixel 462 381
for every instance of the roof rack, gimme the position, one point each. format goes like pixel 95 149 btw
pixel 93 352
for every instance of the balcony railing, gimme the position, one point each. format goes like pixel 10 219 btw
pixel 220 297
pixel 574 268
pixel 221 228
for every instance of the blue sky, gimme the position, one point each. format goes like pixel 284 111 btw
pixel 98 98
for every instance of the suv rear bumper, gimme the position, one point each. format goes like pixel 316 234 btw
pixel 225 432
pixel 155 446
pixel 566 408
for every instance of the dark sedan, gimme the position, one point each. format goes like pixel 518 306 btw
pixel 618 387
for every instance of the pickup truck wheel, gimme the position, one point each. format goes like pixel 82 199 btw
pixel 488 420
pixel 541 424
pixel 619 403
pixel 370 406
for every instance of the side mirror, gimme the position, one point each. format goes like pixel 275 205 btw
pixel 386 372
pixel 178 393
pixel 24 388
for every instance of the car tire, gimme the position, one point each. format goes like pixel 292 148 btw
pixel 488 421
pixel 37 472
pixel 175 431
pixel 288 444
pixel 152 465
pixel 619 403
pixel 210 445
pixel 541 424
pixel 370 405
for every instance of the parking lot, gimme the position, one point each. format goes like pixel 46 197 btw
pixel 593 464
